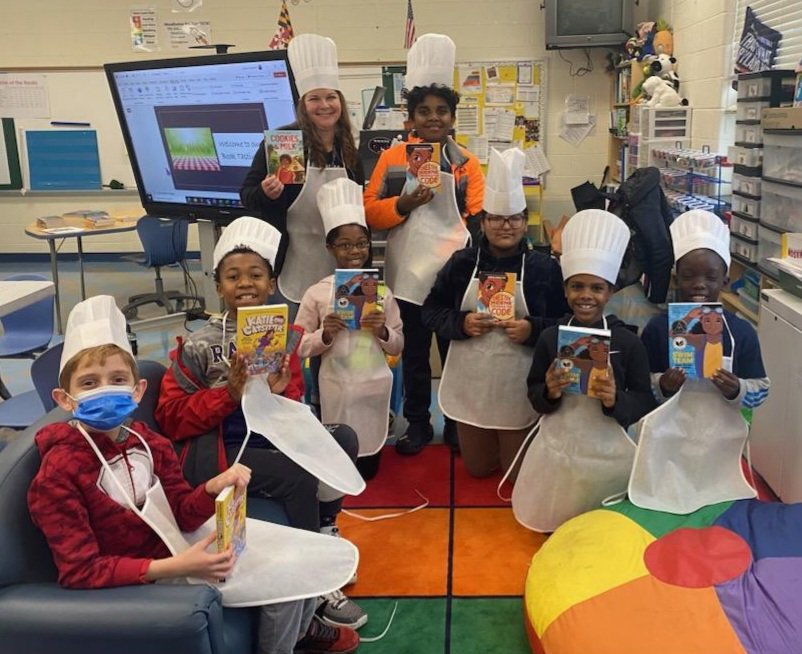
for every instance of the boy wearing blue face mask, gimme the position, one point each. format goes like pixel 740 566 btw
pixel 96 466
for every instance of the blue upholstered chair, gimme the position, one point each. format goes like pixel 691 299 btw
pixel 28 330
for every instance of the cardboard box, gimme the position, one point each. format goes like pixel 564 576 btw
pixel 782 118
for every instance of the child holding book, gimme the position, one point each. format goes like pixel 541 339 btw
pixel 483 383
pixel 551 486
pixel 200 398
pixel 355 380
pixel 79 497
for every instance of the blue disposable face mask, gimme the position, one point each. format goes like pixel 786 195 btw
pixel 104 408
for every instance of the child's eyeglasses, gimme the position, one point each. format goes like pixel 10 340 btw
pixel 498 221
pixel 347 247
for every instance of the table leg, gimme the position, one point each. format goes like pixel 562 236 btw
pixel 81 267
pixel 54 271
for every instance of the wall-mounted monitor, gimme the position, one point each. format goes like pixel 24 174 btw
pixel 192 126
pixel 587 23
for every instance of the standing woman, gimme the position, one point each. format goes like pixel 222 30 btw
pixel 330 152
pixel 483 387
pixel 425 228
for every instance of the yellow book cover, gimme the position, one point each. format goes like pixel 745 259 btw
pixel 229 511
pixel 262 336
pixel 497 294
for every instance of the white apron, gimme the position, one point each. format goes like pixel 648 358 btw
pixel 689 452
pixel 278 564
pixel 419 247
pixel 579 458
pixel 295 431
pixel 355 387
pixel 484 377
pixel 307 261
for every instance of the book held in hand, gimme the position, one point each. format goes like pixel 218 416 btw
pixel 229 512
pixel 496 294
pixel 284 149
pixel 423 166
pixel 585 354
pixel 262 336
pixel 696 338
pixel 357 292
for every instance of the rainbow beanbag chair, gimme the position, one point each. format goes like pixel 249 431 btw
pixel 726 579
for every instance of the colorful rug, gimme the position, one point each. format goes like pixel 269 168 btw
pixel 456 568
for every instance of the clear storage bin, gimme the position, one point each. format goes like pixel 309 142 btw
pixel 744 227
pixel 745 156
pixel 747 206
pixel 769 245
pixel 781 207
pixel 746 185
pixel 744 248
pixel 752 134
pixel 782 157
pixel 751 110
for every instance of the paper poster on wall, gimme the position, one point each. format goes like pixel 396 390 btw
pixel 505 125
pixel 144 31
pixel 468 117
pixel 478 146
pixel 525 73
pixel 183 34
pixel 469 80
pixel 500 94
pixel 528 93
pixel 24 96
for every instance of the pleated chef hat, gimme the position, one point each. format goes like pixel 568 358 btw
pixel 504 191
pixel 313 59
pixel 593 243
pixel 251 233
pixel 95 321
pixel 700 229
pixel 431 60
pixel 340 203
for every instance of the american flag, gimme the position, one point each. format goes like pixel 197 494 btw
pixel 409 30
pixel 281 39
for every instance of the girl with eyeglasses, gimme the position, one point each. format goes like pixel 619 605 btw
pixel 355 380
pixel 483 386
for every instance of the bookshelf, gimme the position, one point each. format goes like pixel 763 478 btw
pixel 626 76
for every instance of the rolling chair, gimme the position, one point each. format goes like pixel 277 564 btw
pixel 27 330
pixel 164 243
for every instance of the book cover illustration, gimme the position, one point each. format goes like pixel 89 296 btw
pixel 262 336
pixel 357 292
pixel 496 294
pixel 695 338
pixel 284 149
pixel 585 354
pixel 229 512
pixel 423 166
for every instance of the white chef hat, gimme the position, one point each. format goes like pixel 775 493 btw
pixel 504 191
pixel 431 60
pixel 593 243
pixel 93 322
pixel 340 203
pixel 700 229
pixel 313 59
pixel 251 233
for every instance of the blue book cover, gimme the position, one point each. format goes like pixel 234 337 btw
pixel 695 338
pixel 357 291
pixel 585 353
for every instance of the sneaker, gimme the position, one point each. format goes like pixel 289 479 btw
pixel 416 436
pixel 339 611
pixel 334 530
pixel 450 437
pixel 321 638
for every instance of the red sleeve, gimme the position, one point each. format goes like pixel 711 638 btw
pixel 185 408
pixel 56 504
pixel 295 389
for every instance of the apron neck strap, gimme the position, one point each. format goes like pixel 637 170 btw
pixel 604 321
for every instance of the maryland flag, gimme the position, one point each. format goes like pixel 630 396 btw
pixel 281 39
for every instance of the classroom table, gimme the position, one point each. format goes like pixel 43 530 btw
pixel 32 230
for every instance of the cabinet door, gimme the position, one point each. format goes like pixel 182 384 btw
pixel 792 459
pixel 769 426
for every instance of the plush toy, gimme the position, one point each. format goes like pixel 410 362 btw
pixel 663 41
pixel 662 94
pixel 664 66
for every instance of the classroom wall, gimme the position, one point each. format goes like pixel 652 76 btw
pixel 84 33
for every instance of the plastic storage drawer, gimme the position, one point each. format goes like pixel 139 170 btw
pixel 748 133
pixel 781 206
pixel 769 245
pixel 782 157
pixel 745 156
pixel 765 84
pixel 746 185
pixel 751 110
pixel 743 248
pixel 744 227
pixel 747 206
